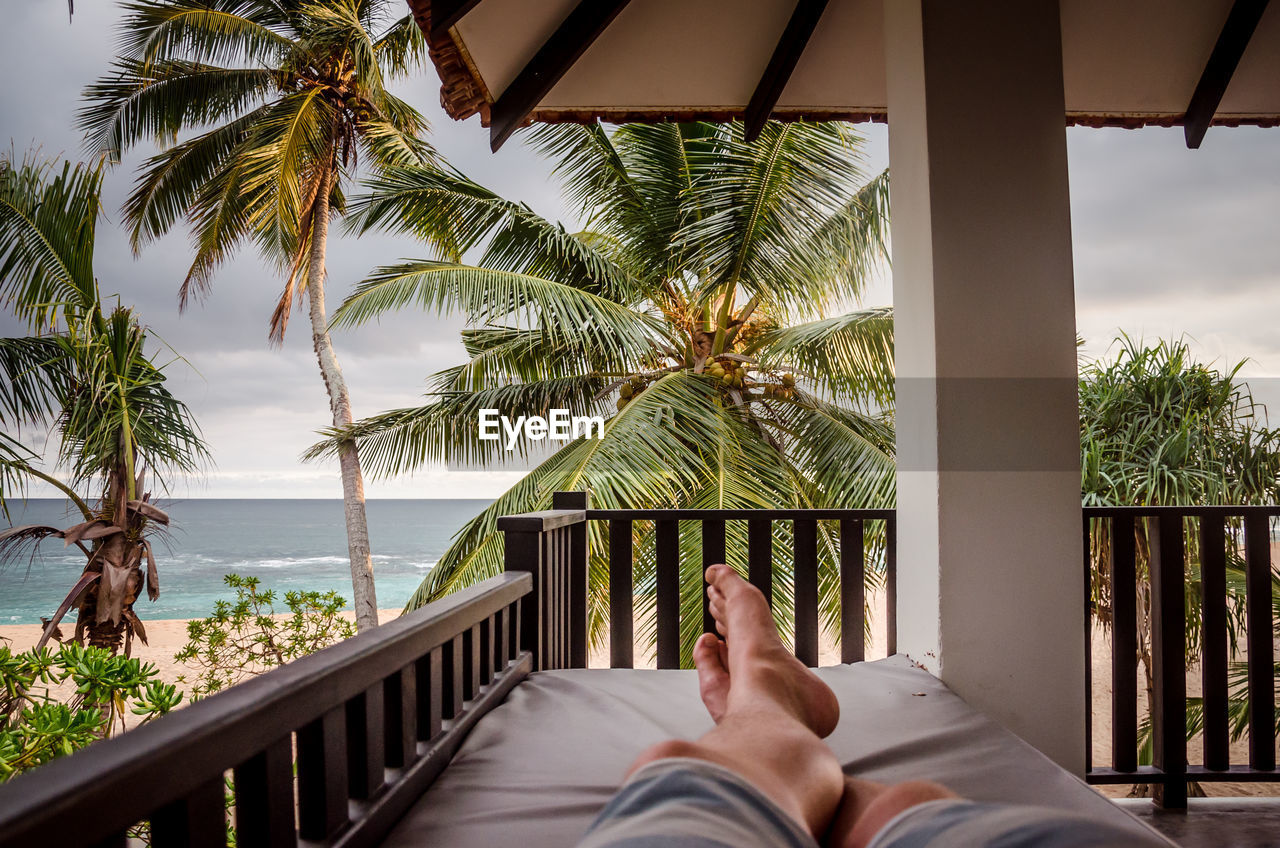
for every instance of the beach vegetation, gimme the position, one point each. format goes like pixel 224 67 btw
pixel 55 703
pixel 250 636
pixel 1158 428
pixel 90 378
pixel 264 111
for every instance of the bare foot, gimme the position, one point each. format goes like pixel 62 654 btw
pixel 710 657
pixel 760 666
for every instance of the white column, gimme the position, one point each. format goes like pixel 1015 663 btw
pixel 991 582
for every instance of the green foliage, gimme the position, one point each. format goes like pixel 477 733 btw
pixel 279 104
pixel 85 376
pixel 693 314
pixel 52 704
pixel 1159 428
pixel 247 637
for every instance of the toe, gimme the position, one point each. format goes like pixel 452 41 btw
pixel 713 675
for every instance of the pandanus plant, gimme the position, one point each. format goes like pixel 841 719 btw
pixel 700 311
pixel 84 375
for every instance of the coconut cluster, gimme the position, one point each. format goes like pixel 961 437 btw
pixel 630 389
pixel 733 374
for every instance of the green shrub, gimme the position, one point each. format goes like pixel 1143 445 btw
pixel 248 637
pixel 37 725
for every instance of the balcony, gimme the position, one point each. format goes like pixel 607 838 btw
pixel 338 747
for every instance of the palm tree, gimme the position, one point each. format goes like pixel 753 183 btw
pixel 84 373
pixel 693 312
pixel 284 97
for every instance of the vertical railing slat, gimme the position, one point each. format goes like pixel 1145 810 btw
pixel 1213 641
pixel 453 689
pixel 621 591
pixel 322 776
pixel 667 551
pixel 504 653
pixel 713 552
pixel 470 662
pixel 196 821
pixel 891 585
pixel 1124 653
pixel 1168 628
pixel 1258 599
pixel 400 717
pixel 577 577
pixel 805 572
pixel 486 651
pixel 551 558
pixel 429 678
pixel 852 592
pixel 264 798
pixel 365 760
pixel 523 552
pixel 760 556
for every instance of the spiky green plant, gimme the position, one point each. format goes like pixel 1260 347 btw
pixel 1159 428
pixel 265 109
pixel 695 313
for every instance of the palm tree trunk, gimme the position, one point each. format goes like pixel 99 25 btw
pixel 366 603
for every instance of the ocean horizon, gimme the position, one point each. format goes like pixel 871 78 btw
pixel 288 543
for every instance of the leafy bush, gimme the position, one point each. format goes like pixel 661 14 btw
pixel 247 637
pixel 36 725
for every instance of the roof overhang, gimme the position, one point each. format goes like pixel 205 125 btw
pixel 1129 64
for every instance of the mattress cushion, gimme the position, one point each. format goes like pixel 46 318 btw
pixel 539 767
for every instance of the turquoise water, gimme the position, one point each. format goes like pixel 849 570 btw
pixel 289 544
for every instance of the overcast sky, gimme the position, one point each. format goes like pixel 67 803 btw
pixel 1167 242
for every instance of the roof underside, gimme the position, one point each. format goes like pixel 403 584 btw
pixel 1128 64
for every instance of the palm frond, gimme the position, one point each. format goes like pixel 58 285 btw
pixel 48 218
pixel 764 206
pixel 850 356
pixel 153 102
pixel 455 215
pixel 488 296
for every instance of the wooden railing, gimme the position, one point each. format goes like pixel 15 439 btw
pixel 1225 535
pixel 367 725
pixel 553 547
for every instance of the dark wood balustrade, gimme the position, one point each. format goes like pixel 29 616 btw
pixel 553 547
pixel 365 726
pixel 332 749
pixel 1223 535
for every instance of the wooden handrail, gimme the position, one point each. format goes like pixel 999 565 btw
pixel 99 792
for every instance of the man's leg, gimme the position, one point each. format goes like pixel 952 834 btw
pixel 868 806
pixel 770 710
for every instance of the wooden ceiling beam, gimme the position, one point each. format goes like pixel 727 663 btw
pixel 446 13
pixel 578 31
pixel 804 20
pixel 1242 20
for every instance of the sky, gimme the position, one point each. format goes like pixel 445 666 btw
pixel 1168 242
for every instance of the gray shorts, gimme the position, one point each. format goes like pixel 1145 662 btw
pixel 688 803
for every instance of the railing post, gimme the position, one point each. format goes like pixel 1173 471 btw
pixel 1168 648
pixel 523 552
pixel 578 554
pixel 551 547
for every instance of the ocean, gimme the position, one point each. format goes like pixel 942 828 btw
pixel 288 544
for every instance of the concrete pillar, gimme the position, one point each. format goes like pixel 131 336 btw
pixel 991 586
